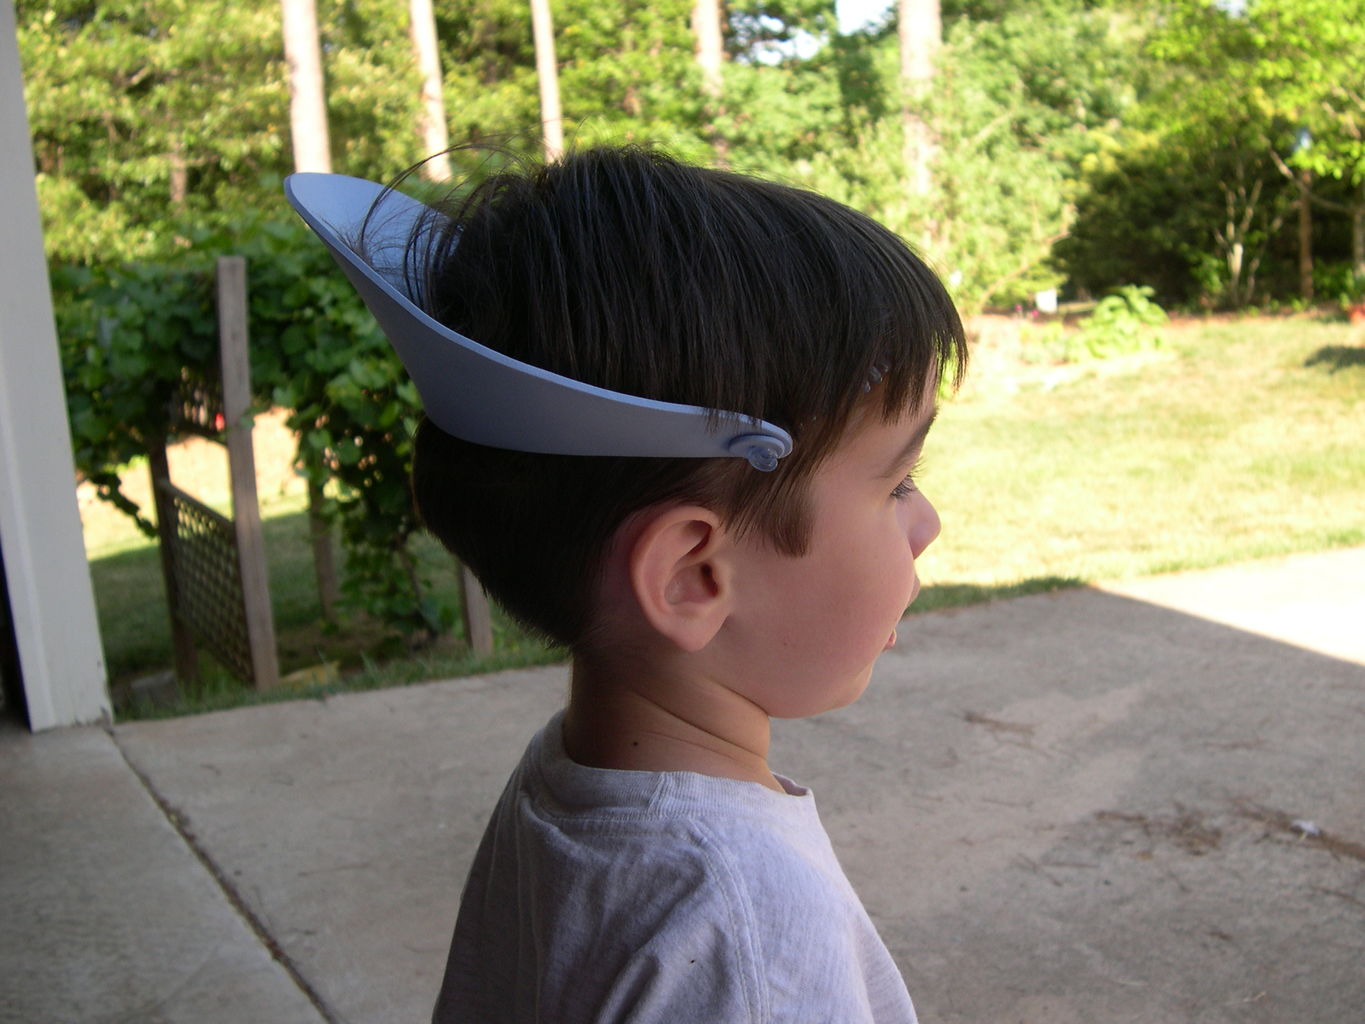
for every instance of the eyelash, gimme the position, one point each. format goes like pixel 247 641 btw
pixel 907 486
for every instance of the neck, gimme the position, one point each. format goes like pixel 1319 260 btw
pixel 659 721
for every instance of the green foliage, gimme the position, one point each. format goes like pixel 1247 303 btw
pixel 148 116
pixel 318 352
pixel 1197 196
pixel 1194 215
pixel 1017 102
pixel 129 336
pixel 1286 65
pixel 1123 323
pixel 154 119
pixel 1132 221
pixel 627 72
pixel 1340 283
pixel 125 335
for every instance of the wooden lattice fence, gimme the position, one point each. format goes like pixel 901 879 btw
pixel 214 567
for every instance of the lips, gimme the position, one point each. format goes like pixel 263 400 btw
pixel 914 593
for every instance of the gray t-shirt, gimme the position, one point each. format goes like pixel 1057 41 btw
pixel 669 897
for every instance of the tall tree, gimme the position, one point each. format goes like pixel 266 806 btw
pixel 312 152
pixel 1289 70
pixel 1018 101
pixel 431 116
pixel 920 33
pixel 307 94
pixel 707 26
pixel 141 134
pixel 547 72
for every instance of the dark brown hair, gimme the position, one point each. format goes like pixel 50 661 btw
pixel 623 268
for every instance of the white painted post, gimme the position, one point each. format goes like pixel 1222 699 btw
pixel 50 595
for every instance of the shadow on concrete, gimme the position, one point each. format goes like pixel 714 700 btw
pixel 1081 806
pixel 1070 807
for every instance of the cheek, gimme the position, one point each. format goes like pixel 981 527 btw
pixel 854 621
pixel 835 614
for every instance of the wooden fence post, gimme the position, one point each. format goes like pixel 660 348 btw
pixel 478 620
pixel 246 511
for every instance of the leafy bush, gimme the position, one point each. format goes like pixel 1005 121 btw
pixel 1339 283
pixel 1124 322
pixel 1197 219
pixel 127 334
pixel 318 352
pixel 131 334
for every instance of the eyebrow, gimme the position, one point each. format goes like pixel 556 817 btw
pixel 912 446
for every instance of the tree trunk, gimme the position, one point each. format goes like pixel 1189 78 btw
pixel 1358 233
pixel 307 99
pixel 547 70
pixel 435 135
pixel 708 27
pixel 324 558
pixel 1305 183
pixel 431 117
pixel 920 29
pixel 312 152
pixel 180 173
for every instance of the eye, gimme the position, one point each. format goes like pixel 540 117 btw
pixel 907 486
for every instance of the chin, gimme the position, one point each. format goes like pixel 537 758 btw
pixel 858 688
pixel 842 700
pixel 828 698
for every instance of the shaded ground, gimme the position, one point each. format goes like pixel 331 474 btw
pixel 1137 804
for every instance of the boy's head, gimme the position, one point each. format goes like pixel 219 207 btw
pixel 627 270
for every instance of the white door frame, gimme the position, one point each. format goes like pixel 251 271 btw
pixel 50 595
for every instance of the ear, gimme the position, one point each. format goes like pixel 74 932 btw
pixel 681 575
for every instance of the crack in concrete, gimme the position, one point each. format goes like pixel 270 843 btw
pixel 181 824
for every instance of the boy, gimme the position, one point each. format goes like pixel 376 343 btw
pixel 644 863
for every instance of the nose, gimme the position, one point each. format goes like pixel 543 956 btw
pixel 924 524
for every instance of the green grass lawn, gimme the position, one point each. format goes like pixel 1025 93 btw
pixel 1237 440
pixel 131 604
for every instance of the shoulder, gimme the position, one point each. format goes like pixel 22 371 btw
pixel 622 896
pixel 616 905
pixel 822 958
pixel 762 898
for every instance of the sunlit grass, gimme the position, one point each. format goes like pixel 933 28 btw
pixel 1233 444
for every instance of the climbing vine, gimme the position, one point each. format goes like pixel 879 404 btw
pixel 131 333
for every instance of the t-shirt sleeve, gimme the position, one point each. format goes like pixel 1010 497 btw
pixel 693 960
pixel 822 960
pixel 596 946
pixel 739 931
